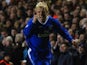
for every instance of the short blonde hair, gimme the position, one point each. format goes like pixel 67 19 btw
pixel 42 4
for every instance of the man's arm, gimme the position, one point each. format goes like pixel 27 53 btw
pixel 62 31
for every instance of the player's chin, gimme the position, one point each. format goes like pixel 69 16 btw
pixel 41 18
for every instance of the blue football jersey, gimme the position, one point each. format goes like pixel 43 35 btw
pixel 37 34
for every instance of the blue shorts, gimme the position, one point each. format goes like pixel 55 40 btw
pixel 35 59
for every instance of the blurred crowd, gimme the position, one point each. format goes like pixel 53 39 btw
pixel 72 14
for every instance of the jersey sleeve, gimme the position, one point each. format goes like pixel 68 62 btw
pixel 62 31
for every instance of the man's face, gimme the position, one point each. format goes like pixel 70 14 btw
pixel 81 37
pixel 41 14
pixel 80 49
pixel 63 48
pixel 7 58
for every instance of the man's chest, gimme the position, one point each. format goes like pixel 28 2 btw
pixel 44 30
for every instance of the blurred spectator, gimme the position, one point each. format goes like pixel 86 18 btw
pixel 16 26
pixel 4 33
pixel 82 38
pixel 59 40
pixel 23 62
pixel 11 63
pixel 83 13
pixel 29 12
pixel 65 57
pixel 7 41
pixel 8 26
pixel 13 34
pixel 55 52
pixel 75 13
pixel 7 45
pixel 17 50
pixel 5 60
pixel 82 54
pixel 4 5
pixel 83 4
pixel 52 37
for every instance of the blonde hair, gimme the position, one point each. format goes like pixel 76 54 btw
pixel 9 38
pixel 42 4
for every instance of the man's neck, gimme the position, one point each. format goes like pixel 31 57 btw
pixel 45 21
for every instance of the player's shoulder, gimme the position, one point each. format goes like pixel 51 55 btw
pixel 53 19
pixel 30 20
pixel 50 17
